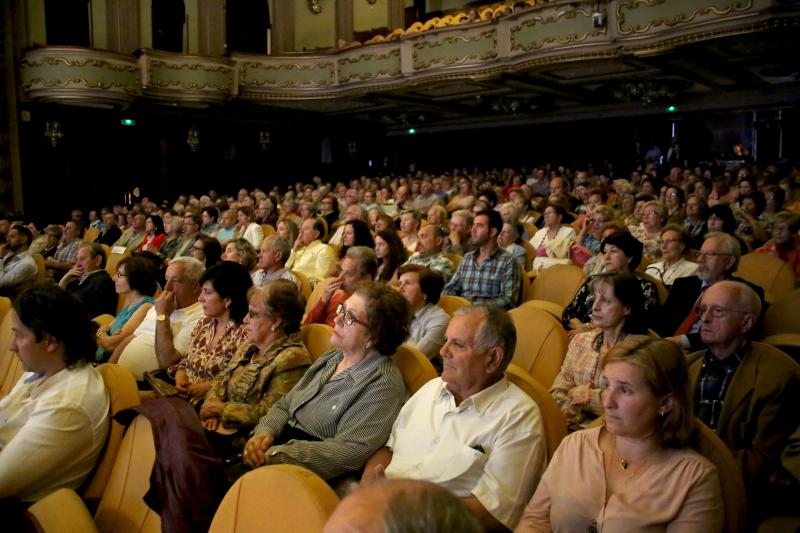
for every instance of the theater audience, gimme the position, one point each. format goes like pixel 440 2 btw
pixel 553 242
pixel 173 241
pixel 136 281
pixel 206 249
pixel 17 266
pixel 718 260
pixel 66 252
pixel 784 243
pixel 471 431
pixel 617 313
pixel 354 233
pixel 695 220
pixel 240 251
pixel 247 229
pixel 421 287
pixel 654 216
pixel 510 240
pixel 745 391
pixel 488 274
pixel 89 281
pixel 153 235
pixel 288 230
pixel 391 254
pixel 216 336
pixel 110 231
pixel 429 252
pixel 133 236
pixel 271 263
pixel 164 334
pixel 675 243
pixel 636 472
pixel 310 256
pixel 359 265
pixel 409 226
pixel 458 240
pixel 621 253
pixel 265 366
pixel 343 408
pixel 54 422
pixel 227 226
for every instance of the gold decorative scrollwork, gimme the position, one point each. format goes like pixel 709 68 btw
pixel 679 18
pixel 287 66
pixel 490 54
pixel 565 39
pixel 394 54
pixel 226 86
pixel 83 81
pixel 78 63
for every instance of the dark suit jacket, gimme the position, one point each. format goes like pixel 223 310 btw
pixel 110 236
pixel 759 412
pixel 680 300
pixel 97 293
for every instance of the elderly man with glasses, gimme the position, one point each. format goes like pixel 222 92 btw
pixel 718 260
pixel 747 392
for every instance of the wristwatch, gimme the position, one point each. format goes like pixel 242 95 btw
pixel 161 318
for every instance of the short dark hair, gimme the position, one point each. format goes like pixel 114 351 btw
pixel 96 250
pixel 430 282
pixel 628 290
pixel 25 232
pixel 494 218
pixel 230 280
pixel 212 211
pixel 211 248
pixel 49 310
pixel 388 316
pixel 248 212
pixel 629 245
pixel 141 273
pixel 157 222
pixel 282 300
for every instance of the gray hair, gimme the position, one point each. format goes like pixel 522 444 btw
pixel 249 254
pixel 730 246
pixel 496 330
pixel 513 215
pixel 279 244
pixel 424 506
pixel 95 250
pixel 366 259
pixel 194 268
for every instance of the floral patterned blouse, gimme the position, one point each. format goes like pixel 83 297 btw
pixel 203 361
pixel 250 386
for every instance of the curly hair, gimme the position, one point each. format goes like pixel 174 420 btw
pixel 388 316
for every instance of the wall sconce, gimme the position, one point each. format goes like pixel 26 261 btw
pixel 52 130
pixel 264 140
pixel 372 2
pixel 193 139
pixel 315 7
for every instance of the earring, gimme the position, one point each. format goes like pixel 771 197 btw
pixel 273 327
pixel 662 413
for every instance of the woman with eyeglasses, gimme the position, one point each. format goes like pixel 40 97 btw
pixel 343 408
pixel 674 250
pixel 265 366
pixel 637 472
pixel 654 216
pixel 136 279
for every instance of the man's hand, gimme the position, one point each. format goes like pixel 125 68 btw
pixel 211 424
pixel 165 303
pixel 212 408
pixel 199 389
pixel 332 287
pixel 255 451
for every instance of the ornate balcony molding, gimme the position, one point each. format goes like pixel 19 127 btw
pixel 554 32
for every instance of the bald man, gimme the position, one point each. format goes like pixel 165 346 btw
pixel 402 505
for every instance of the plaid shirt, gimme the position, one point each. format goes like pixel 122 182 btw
pixel 495 281
pixel 67 251
pixel 715 378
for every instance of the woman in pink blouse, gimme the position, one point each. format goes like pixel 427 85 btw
pixel 636 473
pixel 217 336
pixel 618 311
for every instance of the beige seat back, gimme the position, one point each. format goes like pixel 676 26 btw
pixel 555 426
pixel 10 366
pixel 123 394
pixel 417 370
pixel 541 342
pixel 557 284
pixel 305 285
pixel 122 509
pixel 112 261
pixel 316 294
pixel 770 273
pixel 5 306
pixel 450 304
pixel 317 338
pixel 41 270
pixel 783 316
pixel 276 498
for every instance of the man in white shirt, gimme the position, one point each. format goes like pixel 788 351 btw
pixel 164 334
pixel 54 423
pixel 272 259
pixel 471 430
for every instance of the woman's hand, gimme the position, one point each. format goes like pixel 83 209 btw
pixel 199 389
pixel 255 451
pixel 182 381
pixel 212 408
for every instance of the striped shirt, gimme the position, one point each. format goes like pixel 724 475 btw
pixel 352 414
pixel 495 281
